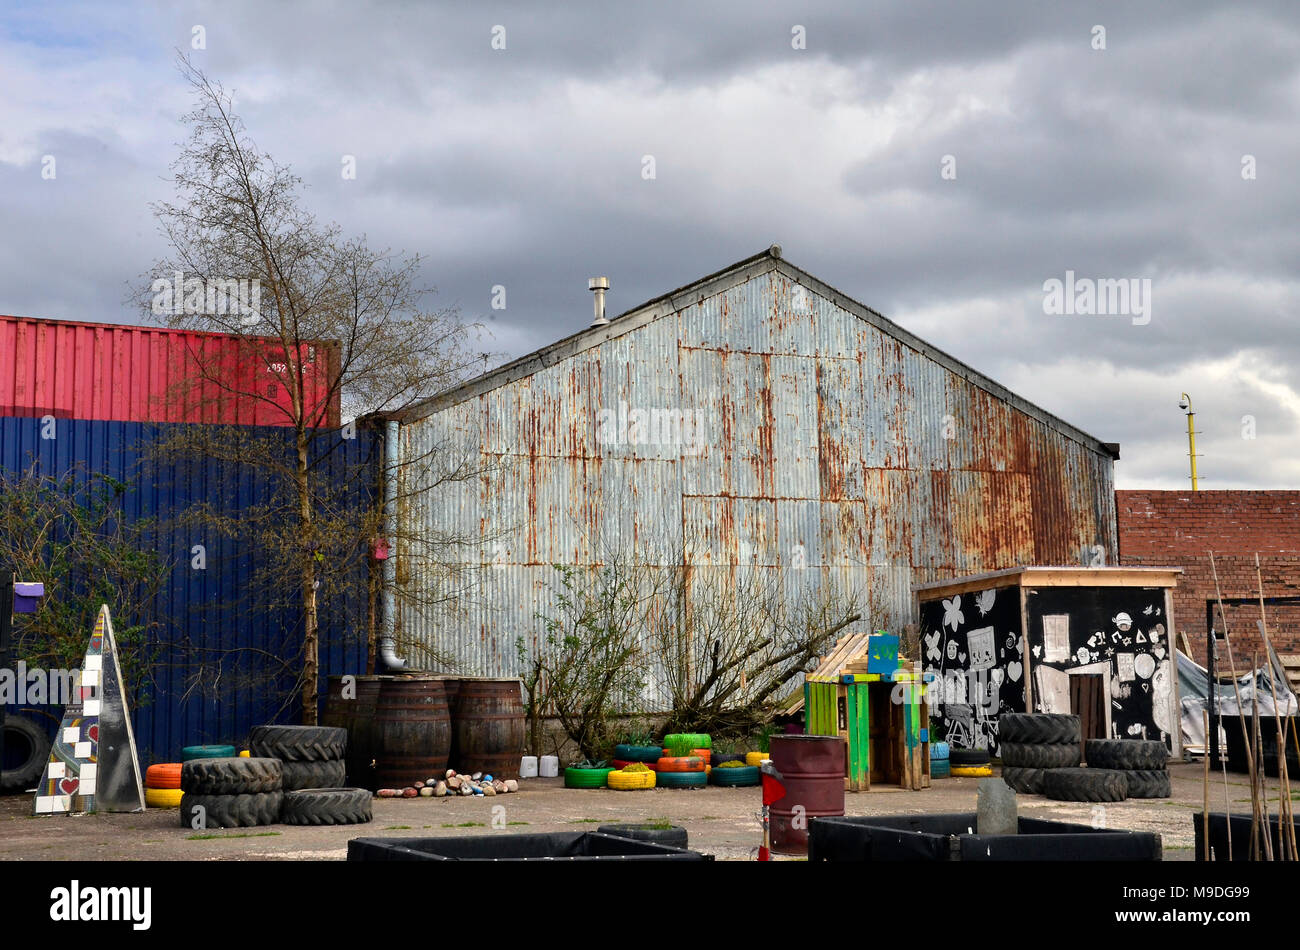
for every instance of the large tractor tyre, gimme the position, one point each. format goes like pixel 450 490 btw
pixel 1034 756
pixel 28 747
pixel 234 776
pixel 1126 754
pixel 1085 785
pixel 230 811
pixel 674 836
pixel 327 806
pixel 298 743
pixel 299 775
pixel 1148 783
pixel 1025 781
pixel 1038 728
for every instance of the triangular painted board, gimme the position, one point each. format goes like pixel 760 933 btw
pixel 93 762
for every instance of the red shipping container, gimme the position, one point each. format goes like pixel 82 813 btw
pixel 73 370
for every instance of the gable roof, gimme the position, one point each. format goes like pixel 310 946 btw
pixel 738 273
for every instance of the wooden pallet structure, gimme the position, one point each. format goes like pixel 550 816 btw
pixel 1291 666
pixel 863 693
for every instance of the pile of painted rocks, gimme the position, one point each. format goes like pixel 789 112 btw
pixel 454 783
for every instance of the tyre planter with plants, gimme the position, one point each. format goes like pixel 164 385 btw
pixel 718 758
pixel 693 740
pixel 681 780
pixel 586 776
pixel 740 776
pixel 624 781
pixel 680 763
pixel 628 752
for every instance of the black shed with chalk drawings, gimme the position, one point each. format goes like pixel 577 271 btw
pixel 1097 642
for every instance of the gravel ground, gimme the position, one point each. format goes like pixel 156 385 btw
pixel 722 822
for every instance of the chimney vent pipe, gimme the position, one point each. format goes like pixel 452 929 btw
pixel 598 286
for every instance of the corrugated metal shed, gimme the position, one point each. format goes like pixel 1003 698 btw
pixel 73 370
pixel 207 616
pixel 832 439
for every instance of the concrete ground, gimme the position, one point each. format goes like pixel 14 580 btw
pixel 720 821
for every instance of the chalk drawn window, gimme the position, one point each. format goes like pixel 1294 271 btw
pixel 983 652
pixel 1056 638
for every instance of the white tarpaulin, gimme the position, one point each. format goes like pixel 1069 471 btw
pixel 1194 688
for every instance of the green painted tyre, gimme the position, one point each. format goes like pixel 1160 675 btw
pixel 586 778
pixel 696 740
pixel 637 753
pixel 208 752
pixel 744 777
pixel 681 779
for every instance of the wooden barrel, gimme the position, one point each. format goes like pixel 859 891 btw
pixel 412 730
pixel 490 731
pixel 352 706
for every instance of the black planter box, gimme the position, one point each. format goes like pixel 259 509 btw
pixel 556 846
pixel 1240 830
pixel 1236 750
pixel 948 837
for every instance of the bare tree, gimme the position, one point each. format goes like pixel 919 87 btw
pixel 339 329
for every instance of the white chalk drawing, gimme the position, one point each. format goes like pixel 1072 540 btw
pixel 1052 690
pixel 1110 651
pixel 1141 637
pixel 1157 632
pixel 984 601
pixel 1123 621
pixel 1144 665
pixel 1038 650
pixel 1147 609
pixel 952 615
pixel 1056 638
pixel 952 649
pixel 1161 693
pixel 1097 639
pixel 932 651
pixel 1136 730
pixel 1159 652
pixel 1014 669
pixel 983 653
pixel 961 657
pixel 1082 655
pixel 1119 690
pixel 1124 666
pixel 1011 641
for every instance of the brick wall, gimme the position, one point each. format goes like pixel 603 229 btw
pixel 1178 528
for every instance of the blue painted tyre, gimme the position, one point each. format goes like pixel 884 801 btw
pixel 744 777
pixel 939 768
pixel 637 753
pixel 681 779
pixel 938 750
pixel 208 752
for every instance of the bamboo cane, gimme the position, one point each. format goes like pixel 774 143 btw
pixel 1227 804
pixel 1241 716
pixel 1259 759
pixel 1286 841
pixel 1205 815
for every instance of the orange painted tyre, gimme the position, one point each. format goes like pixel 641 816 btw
pixel 680 763
pixel 705 754
pixel 163 775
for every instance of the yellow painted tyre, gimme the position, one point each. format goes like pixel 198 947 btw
pixel 163 797
pixel 245 754
pixel 971 771
pixel 755 758
pixel 630 781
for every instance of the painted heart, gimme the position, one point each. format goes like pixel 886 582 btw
pixel 87 692
pixel 69 786
pixel 1014 670
pixel 93 732
pixel 962 657
pixel 1159 652
pixel 96 643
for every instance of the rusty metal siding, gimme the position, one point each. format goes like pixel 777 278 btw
pixel 830 442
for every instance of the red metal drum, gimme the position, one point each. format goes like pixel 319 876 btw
pixel 812 770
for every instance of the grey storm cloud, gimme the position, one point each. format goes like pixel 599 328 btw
pixel 522 168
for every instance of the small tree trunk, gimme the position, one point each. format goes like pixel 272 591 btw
pixel 310 639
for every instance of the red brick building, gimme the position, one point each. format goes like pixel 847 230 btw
pixel 1178 528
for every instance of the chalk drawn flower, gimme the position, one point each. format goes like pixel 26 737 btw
pixel 952 615
pixel 984 601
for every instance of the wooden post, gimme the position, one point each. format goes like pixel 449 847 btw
pixel 1205 816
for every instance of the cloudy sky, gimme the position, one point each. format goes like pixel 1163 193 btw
pixel 937 161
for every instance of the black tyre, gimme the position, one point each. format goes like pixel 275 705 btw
pixel 674 836
pixel 298 743
pixel 1085 785
pixel 968 756
pixel 1035 756
pixel 1126 754
pixel 717 758
pixel 230 811
pixel 234 776
pixel 28 747
pixel 1025 781
pixel 299 775
pixel 326 806
pixel 1038 728
pixel 1148 783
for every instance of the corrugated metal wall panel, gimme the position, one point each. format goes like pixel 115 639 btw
pixel 203 614
pixel 833 450
pixel 73 370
